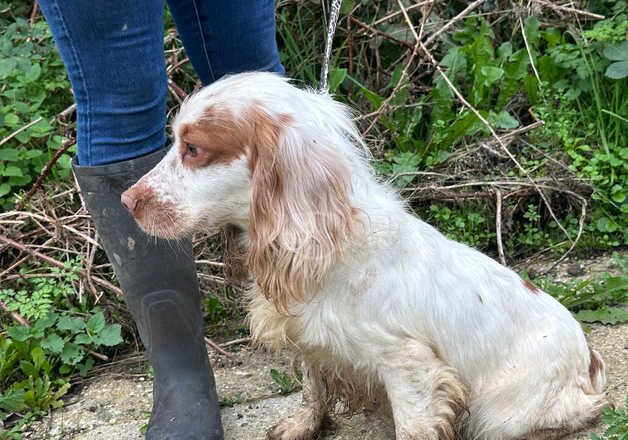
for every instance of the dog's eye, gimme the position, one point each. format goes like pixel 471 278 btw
pixel 191 150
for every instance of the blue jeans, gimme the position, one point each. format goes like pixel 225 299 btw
pixel 114 54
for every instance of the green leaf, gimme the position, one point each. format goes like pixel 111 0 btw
pixel 72 354
pixel 336 78
pixel 82 339
pixel 33 73
pixel 52 343
pixel 605 315
pixel 617 52
pixel 74 325
pixel 11 120
pixel 347 6
pixel 617 70
pixel 110 336
pixel 531 28
pixel 12 400
pixel 39 358
pixel 96 323
pixel 5 189
pixel 12 171
pixel 605 224
pixel 502 120
pixel 19 333
pixel 46 322
pixel 7 66
pixel 491 74
pixel 9 154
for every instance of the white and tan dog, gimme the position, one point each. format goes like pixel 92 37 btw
pixel 377 302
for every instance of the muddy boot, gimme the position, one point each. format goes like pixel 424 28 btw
pixel 161 289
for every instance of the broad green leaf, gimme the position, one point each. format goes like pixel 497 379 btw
pixel 605 315
pixel 12 400
pixel 12 171
pixel 617 70
pixel 46 322
pixel 617 52
pixel 11 120
pixel 74 325
pixel 531 28
pixel 96 323
pixel 502 120
pixel 491 74
pixel 5 189
pixel 605 224
pixel 52 343
pixel 9 154
pixel 19 333
pixel 110 336
pixel 33 73
pixel 7 66
pixel 72 354
pixel 82 339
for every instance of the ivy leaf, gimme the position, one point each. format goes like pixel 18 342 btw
pixel 110 336
pixel 605 315
pixel 52 343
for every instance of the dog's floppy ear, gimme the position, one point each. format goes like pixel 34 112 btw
pixel 300 216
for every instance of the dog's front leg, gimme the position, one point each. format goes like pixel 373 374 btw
pixel 425 394
pixel 306 422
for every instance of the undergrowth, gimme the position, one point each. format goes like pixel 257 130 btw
pixel 572 76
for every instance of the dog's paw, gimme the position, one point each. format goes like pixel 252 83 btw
pixel 304 425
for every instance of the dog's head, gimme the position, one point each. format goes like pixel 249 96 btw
pixel 254 151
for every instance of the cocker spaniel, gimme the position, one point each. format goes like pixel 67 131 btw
pixel 379 305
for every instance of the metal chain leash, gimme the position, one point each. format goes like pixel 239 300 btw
pixel 331 30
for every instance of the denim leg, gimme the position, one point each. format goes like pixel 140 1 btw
pixel 227 36
pixel 113 52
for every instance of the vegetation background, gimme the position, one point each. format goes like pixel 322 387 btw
pixel 505 125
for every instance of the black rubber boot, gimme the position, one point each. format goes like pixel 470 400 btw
pixel 161 289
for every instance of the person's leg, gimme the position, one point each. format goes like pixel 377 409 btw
pixel 227 36
pixel 113 52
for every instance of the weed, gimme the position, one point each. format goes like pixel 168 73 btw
pixel 287 383
pixel 617 424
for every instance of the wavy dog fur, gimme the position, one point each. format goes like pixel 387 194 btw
pixel 379 305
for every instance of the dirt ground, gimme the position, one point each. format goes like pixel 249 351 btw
pixel 116 405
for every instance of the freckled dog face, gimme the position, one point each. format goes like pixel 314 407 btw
pixel 200 184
